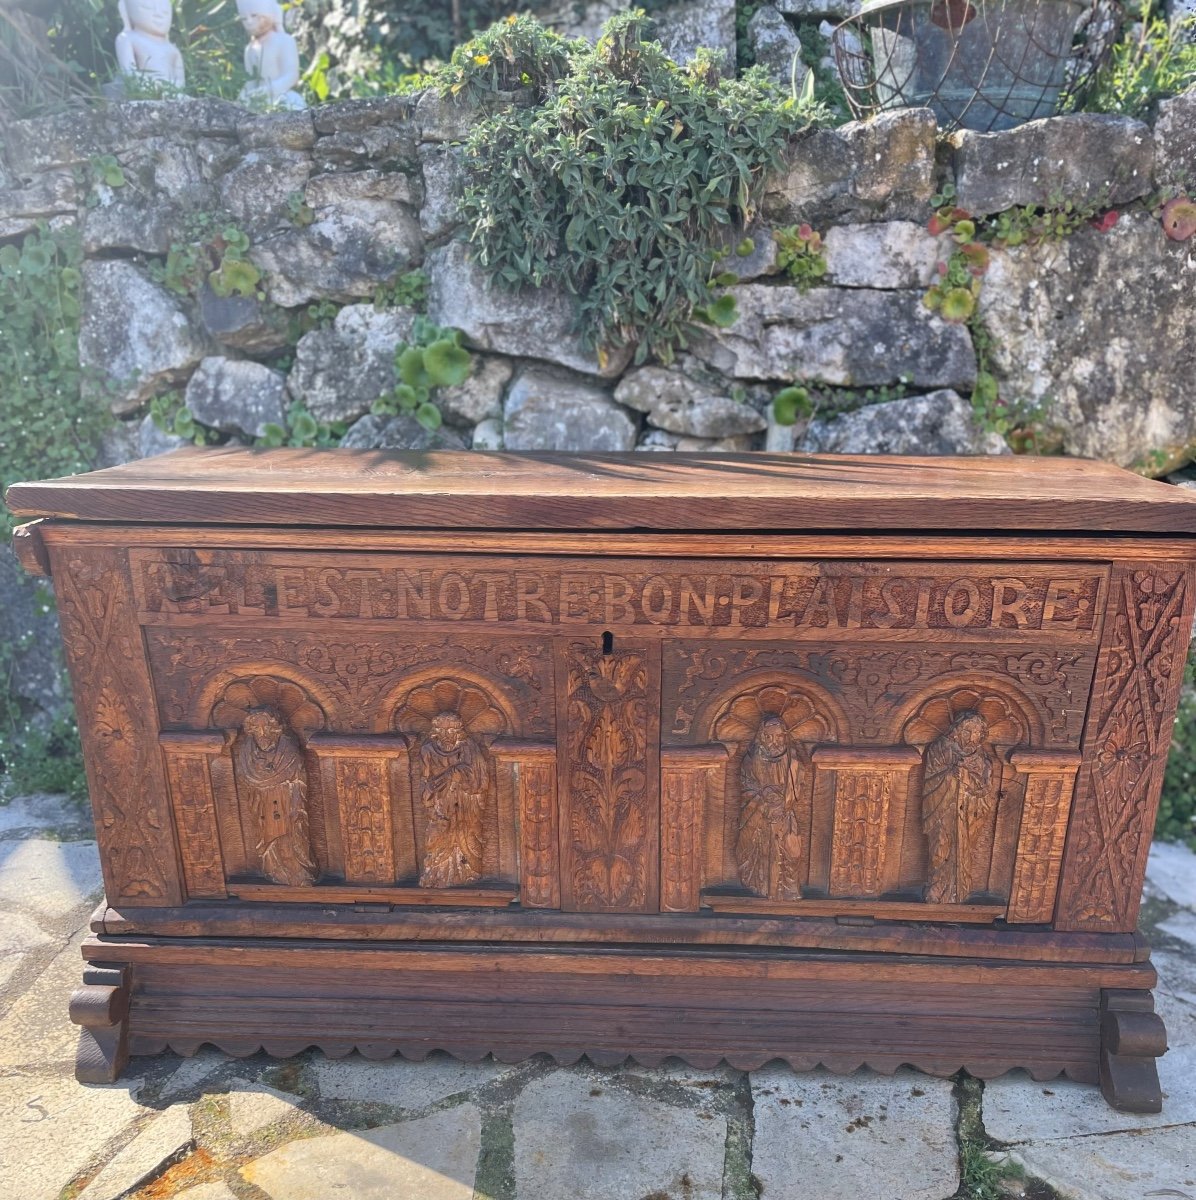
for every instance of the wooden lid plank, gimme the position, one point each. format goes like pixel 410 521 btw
pixel 788 493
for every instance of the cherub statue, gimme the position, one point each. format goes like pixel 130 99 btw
pixel 271 58
pixel 143 47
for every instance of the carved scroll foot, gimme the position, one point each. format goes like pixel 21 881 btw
pixel 101 1009
pixel 1132 1036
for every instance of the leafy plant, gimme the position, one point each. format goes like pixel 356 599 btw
pixel 299 211
pixel 302 430
pixel 1177 807
pixel 434 359
pixel 513 53
pixel 216 254
pixel 409 290
pixel 172 416
pixel 620 183
pixel 1155 60
pixel 800 254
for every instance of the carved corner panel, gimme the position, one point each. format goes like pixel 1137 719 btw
pixel 114 702
pixel 1140 672
pixel 609 719
pixel 690 777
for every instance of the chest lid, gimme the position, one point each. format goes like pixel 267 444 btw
pixel 784 493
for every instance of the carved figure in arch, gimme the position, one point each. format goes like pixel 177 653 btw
pixel 961 787
pixel 775 727
pixel 959 802
pixel 455 782
pixel 271 784
pixel 450 724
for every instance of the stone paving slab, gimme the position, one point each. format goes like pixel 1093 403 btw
pixel 30 815
pixel 402 1083
pixel 51 879
pixel 253 1106
pixel 835 1138
pixel 51 1128
pixel 156 1143
pixel 1171 870
pixel 577 1136
pixel 431 1158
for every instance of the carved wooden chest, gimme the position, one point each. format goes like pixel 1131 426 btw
pixel 831 760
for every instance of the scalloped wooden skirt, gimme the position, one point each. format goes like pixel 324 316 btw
pixel 837 1010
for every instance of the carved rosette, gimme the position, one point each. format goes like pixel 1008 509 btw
pixel 960 735
pixel 1134 698
pixel 449 725
pixel 770 733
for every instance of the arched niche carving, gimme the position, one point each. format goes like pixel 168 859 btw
pixel 449 725
pixel 964 735
pixel 269 720
pixel 770 731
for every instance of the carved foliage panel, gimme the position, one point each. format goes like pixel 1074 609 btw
pixel 610 706
pixel 1147 628
pixel 114 701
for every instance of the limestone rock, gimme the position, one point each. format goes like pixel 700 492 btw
pixel 887 254
pixel 358 240
pixel 684 27
pixel 549 410
pixel 133 335
pixel 119 444
pixel 1172 869
pixel 53 194
pixel 761 258
pixel 835 9
pixel 939 423
pixel 355 116
pixel 580 1137
pixel 170 168
pixel 402 432
pixel 774 44
pixel 387 146
pixel 328 191
pixel 122 222
pixel 237 396
pixel 878 169
pixel 1108 334
pixel 1081 156
pixel 285 130
pixel 341 369
pixel 533 323
pixel 75 137
pixel 843 336
pixel 154 1146
pixel 241 322
pixel 826 1136
pixel 1175 141
pixel 443 118
pixel 443 181
pixel 152 441
pixel 480 396
pixel 433 1158
pixel 487 435
pixel 679 404
pixel 257 191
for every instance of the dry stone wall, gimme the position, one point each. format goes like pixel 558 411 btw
pixel 336 203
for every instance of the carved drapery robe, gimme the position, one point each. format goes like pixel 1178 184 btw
pixel 272 786
pixel 769 847
pixel 453 789
pixel 959 801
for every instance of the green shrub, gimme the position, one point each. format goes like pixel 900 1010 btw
pixel 1177 807
pixel 1155 59
pixel 622 182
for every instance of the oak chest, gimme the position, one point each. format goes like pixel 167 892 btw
pixel 834 760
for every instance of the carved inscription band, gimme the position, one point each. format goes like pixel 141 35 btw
pixel 803 596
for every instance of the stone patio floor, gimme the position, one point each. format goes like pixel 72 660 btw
pixel 309 1128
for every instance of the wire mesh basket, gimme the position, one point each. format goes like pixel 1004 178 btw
pixel 979 64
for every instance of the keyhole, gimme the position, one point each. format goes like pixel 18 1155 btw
pixel 608 642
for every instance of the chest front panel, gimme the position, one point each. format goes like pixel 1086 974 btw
pixel 597 734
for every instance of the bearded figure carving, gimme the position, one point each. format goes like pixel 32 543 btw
pixel 960 785
pixel 271 784
pixel 454 781
pixel 769 847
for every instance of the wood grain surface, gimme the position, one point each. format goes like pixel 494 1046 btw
pixel 466 490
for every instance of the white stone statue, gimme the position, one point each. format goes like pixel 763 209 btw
pixel 271 58
pixel 143 47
